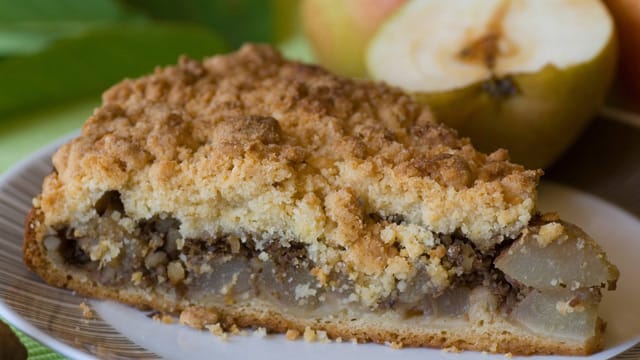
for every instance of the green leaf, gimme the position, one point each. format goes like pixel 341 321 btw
pixel 27 26
pixel 25 133
pixel 84 66
pixel 12 11
pixel 238 21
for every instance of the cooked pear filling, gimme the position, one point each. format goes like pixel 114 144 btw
pixel 234 267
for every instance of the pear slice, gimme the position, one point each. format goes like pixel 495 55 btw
pixel 526 75
pixel 559 313
pixel 557 255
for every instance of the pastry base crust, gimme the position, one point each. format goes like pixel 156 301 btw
pixel 496 336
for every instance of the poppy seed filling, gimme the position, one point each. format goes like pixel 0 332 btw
pixel 232 267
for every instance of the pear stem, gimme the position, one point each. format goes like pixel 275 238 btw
pixel 500 88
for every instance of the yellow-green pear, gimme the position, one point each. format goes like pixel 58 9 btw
pixel 526 75
pixel 339 30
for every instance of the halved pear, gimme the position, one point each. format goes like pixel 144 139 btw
pixel 526 75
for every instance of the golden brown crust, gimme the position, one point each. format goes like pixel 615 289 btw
pixel 32 252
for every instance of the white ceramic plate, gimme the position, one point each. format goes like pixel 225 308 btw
pixel 53 316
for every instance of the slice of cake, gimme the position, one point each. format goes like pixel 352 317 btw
pixel 249 190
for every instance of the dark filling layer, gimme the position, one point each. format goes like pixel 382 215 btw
pixel 229 267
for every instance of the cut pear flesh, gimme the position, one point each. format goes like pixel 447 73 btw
pixel 558 313
pixel 555 255
pixel 434 45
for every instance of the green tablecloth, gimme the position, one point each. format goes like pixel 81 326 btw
pixel 20 136
pixel 36 350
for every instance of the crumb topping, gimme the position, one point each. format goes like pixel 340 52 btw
pixel 260 332
pixel 309 335
pixel 358 172
pixel 292 334
pixel 217 330
pixel 569 306
pixel 198 317
pixel 87 313
pixel 550 232
pixel 163 318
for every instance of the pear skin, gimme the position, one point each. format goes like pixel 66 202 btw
pixel 538 118
pixel 339 30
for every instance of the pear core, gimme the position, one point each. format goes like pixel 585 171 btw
pixel 432 45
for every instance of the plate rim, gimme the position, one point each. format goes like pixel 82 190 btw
pixel 7 313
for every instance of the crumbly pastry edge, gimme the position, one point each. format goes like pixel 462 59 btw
pixel 499 336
